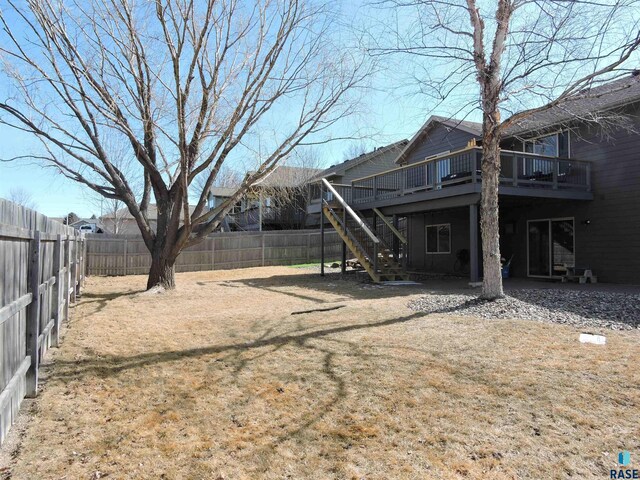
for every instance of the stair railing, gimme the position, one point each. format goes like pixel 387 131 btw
pixel 401 246
pixel 395 231
pixel 342 222
pixel 337 197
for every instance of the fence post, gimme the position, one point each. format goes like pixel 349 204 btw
pixel 262 234
pixel 74 270
pixel 309 243
pixel 213 253
pixel 84 260
pixel 33 318
pixel 124 269
pixel 58 287
pixel 67 276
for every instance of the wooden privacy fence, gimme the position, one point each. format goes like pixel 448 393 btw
pixel 128 255
pixel 42 265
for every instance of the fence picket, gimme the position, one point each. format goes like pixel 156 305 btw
pixel 34 289
pixel 106 253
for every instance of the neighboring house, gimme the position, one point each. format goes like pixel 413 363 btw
pixel 88 225
pixel 216 197
pixel 342 174
pixel 378 160
pixel 127 225
pixel 568 195
pixel 278 201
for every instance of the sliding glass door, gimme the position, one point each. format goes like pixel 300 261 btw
pixel 550 247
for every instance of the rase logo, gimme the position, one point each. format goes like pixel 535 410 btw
pixel 624 459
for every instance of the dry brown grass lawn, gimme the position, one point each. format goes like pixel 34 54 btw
pixel 219 380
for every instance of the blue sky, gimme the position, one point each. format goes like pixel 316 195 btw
pixel 390 114
pixel 393 118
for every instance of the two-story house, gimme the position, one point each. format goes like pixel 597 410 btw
pixel 278 201
pixel 342 174
pixel 568 195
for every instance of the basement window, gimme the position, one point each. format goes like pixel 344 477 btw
pixel 439 238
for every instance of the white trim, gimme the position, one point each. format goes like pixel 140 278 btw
pixel 549 220
pixel 426 242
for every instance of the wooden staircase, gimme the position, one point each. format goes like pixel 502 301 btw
pixel 375 256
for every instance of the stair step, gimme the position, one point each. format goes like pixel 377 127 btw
pixel 387 267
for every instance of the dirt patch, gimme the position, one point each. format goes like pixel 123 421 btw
pixel 218 380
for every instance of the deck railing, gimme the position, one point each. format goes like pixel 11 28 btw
pixel 343 190
pixel 518 169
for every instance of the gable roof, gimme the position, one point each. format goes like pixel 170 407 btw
pixel 472 128
pixel 83 221
pixel 341 168
pixel 584 105
pixel 286 176
pixel 224 192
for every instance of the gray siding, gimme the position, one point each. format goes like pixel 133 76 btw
pixel 419 259
pixel 380 163
pixel 610 243
pixel 438 139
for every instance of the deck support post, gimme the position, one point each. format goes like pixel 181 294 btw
pixel 343 265
pixel 474 274
pixel 396 241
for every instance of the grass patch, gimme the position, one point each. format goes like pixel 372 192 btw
pixel 218 380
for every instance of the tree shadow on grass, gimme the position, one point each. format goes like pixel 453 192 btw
pixel 347 287
pixel 99 301
pixel 112 365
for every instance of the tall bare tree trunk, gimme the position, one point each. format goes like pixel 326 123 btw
pixel 164 250
pixel 162 272
pixel 489 214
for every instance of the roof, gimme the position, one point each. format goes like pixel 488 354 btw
pixel 584 104
pixel 152 213
pixel 286 176
pixel 473 128
pixel 340 168
pixel 95 221
pixel 225 192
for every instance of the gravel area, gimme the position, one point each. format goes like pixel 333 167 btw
pixel 585 309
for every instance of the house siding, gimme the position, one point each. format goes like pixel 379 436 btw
pixel 438 139
pixel 610 243
pixel 418 258
pixel 607 228
pixel 380 163
pixel 385 161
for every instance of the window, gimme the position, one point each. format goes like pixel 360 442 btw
pixel 439 238
pixel 550 247
pixel 554 145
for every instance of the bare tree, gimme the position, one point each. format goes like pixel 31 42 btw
pixel 114 215
pixel 227 177
pixel 518 57
pixel 286 189
pixel 355 149
pixel 186 84
pixel 22 197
